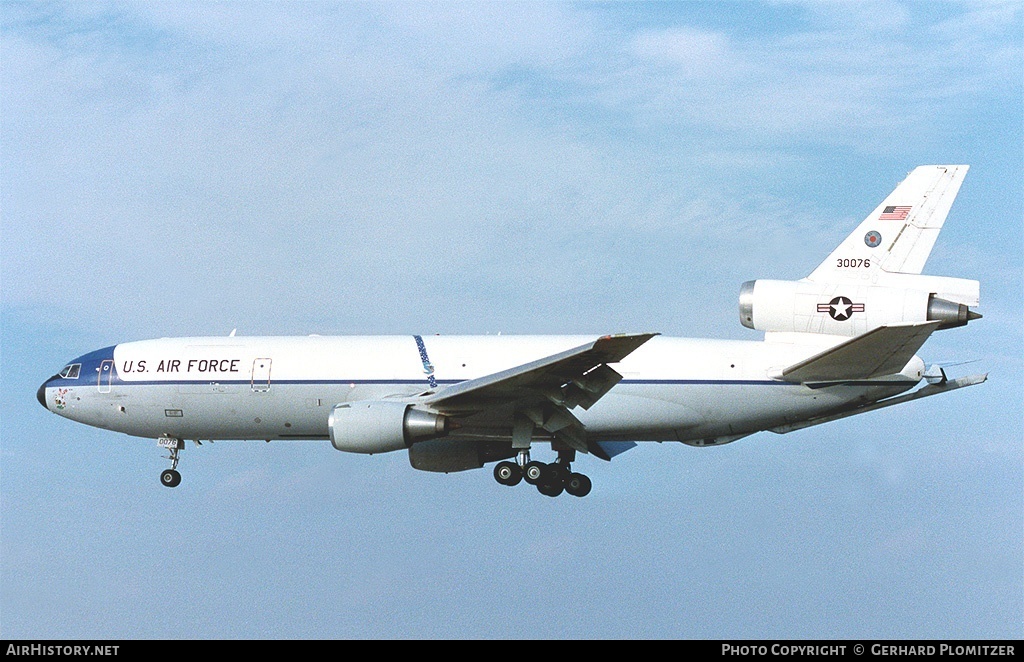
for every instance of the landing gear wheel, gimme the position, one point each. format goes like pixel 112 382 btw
pixel 535 472
pixel 578 485
pixel 551 489
pixel 558 471
pixel 170 478
pixel 508 473
pixel 552 482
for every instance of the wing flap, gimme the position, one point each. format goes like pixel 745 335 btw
pixel 882 351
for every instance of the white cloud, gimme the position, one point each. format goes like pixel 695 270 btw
pixel 833 84
pixel 185 157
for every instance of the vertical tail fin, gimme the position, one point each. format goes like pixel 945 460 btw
pixel 897 237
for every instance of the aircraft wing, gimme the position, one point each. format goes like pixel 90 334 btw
pixel 882 351
pixel 540 394
pixel 575 377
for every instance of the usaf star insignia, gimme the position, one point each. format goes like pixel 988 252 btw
pixel 840 308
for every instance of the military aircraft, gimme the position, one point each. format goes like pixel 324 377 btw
pixel 840 342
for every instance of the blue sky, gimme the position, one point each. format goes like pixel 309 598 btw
pixel 290 168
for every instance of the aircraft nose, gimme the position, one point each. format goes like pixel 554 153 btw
pixel 41 395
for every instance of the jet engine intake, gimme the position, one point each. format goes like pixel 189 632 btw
pixel 380 426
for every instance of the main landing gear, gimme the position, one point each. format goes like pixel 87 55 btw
pixel 171 477
pixel 550 479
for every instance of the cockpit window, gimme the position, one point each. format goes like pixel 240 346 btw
pixel 71 371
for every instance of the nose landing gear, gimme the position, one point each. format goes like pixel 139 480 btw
pixel 171 477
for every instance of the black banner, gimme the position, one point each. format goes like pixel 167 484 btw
pixel 843 649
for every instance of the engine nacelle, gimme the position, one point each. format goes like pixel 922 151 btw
pixel 853 308
pixel 379 426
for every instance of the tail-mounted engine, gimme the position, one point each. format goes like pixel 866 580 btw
pixel 379 426
pixel 853 308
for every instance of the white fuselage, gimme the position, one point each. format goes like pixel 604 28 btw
pixel 673 389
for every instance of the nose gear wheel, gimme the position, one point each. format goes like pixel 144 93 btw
pixel 171 477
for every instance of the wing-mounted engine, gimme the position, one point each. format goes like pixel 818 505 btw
pixel 852 308
pixel 380 426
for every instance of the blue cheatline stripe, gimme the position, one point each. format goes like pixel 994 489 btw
pixel 437 382
pixel 740 382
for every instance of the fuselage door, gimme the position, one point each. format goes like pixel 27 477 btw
pixel 261 375
pixel 106 374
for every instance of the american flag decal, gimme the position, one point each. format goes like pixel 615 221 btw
pixel 894 213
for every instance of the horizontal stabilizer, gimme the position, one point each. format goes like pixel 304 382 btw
pixel 931 389
pixel 882 351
